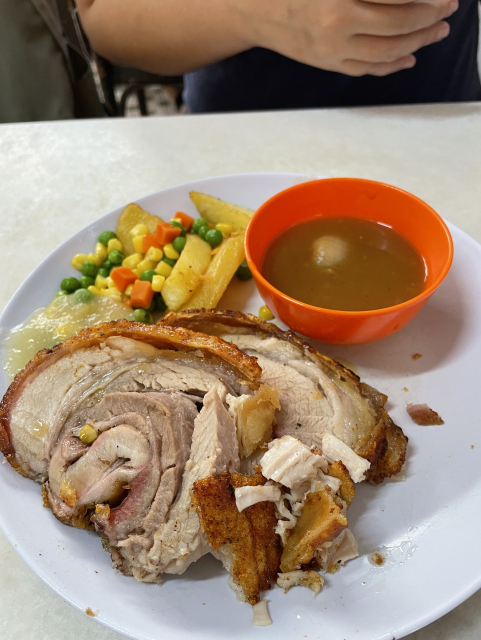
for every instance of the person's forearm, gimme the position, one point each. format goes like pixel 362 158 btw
pixel 355 37
pixel 163 36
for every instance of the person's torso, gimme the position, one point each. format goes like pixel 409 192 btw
pixel 261 79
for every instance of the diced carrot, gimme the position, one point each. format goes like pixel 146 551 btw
pixel 185 219
pixel 166 233
pixel 122 277
pixel 150 241
pixel 142 294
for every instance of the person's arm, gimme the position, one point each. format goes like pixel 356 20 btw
pixel 354 37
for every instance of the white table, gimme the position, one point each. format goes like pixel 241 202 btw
pixel 57 177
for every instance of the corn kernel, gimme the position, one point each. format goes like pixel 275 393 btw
pixel 94 290
pixel 154 254
pixel 111 293
pixel 101 252
pixel 176 220
pixel 78 261
pixel 163 269
pixel 114 245
pixel 93 258
pixel 88 434
pixel 158 283
pixel 138 243
pixel 145 265
pixel 224 228
pixel 128 290
pixel 110 283
pixel 170 252
pixel 265 313
pixel 132 261
pixel 101 282
pixel 139 230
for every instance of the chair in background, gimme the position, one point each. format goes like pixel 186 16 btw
pixel 133 82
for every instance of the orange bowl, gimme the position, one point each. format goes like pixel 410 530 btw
pixel 398 209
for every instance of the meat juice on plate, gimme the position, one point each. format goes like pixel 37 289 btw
pixel 344 263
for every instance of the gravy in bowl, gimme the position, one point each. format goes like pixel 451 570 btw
pixel 343 263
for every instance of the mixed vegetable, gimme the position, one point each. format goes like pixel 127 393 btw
pixel 152 265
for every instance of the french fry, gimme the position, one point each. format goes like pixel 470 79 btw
pixel 214 211
pixel 187 272
pixel 130 217
pixel 221 270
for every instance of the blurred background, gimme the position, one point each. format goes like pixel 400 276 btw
pixel 49 72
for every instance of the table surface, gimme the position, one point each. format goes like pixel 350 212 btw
pixel 56 177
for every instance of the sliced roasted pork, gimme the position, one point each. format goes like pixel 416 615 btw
pixel 322 403
pixel 118 423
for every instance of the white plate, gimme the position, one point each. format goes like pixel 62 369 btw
pixel 428 526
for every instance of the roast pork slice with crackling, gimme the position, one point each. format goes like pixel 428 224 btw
pixel 318 396
pixel 44 393
pixel 155 399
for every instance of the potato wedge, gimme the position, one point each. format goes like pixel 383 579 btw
pixel 221 270
pixel 131 216
pixel 186 274
pixel 214 211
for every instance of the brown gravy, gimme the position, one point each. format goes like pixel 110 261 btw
pixel 343 263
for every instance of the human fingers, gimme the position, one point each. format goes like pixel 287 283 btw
pixel 391 48
pixel 359 68
pixel 393 20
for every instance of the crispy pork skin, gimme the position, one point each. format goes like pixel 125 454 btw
pixel 244 540
pixel 317 395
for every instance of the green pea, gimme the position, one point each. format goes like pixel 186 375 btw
pixel 243 272
pixel 86 282
pixel 60 293
pixel 83 296
pixel 70 285
pixel 142 315
pixel 183 231
pixel 106 265
pixel 116 257
pixel 89 269
pixel 179 244
pixel 198 224
pixel 203 231
pixel 213 237
pixel 105 236
pixel 103 272
pixel 147 275
pixel 169 261
pixel 159 303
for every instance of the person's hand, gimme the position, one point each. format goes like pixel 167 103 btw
pixel 354 37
